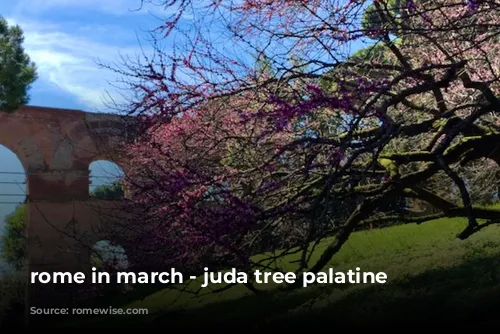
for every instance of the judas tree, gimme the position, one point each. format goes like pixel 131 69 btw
pixel 233 161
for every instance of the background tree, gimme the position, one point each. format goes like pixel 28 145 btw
pixel 14 237
pixel 17 71
pixel 389 17
pixel 108 191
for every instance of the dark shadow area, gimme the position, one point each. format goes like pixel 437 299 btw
pixel 466 296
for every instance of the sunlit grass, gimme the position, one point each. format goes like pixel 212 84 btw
pixel 421 261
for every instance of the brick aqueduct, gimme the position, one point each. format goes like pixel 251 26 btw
pixel 56 147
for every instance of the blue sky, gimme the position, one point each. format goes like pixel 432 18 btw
pixel 66 38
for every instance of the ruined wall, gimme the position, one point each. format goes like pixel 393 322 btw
pixel 61 237
pixel 56 147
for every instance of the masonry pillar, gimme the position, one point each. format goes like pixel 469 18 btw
pixel 58 185
pixel 58 226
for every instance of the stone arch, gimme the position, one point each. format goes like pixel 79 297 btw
pixel 105 178
pixel 107 253
pixel 12 173
pixel 16 137
pixel 55 147
pixel 109 257
pixel 12 151
pixel 13 194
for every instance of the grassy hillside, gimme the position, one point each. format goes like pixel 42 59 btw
pixel 431 275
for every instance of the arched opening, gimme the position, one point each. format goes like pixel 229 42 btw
pixel 13 213
pixel 105 180
pixel 108 256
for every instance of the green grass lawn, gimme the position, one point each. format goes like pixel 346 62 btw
pixel 431 276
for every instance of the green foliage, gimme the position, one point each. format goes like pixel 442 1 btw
pixel 377 52
pixel 429 272
pixel 13 240
pixel 390 16
pixel 264 66
pixel 17 71
pixel 108 192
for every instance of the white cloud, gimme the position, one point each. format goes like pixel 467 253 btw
pixel 70 61
pixel 66 49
